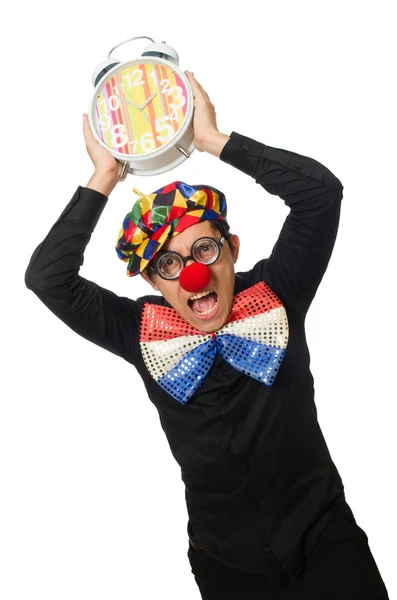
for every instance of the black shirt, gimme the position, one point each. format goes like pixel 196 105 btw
pixel 260 482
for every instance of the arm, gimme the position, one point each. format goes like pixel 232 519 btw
pixel 93 312
pixel 301 254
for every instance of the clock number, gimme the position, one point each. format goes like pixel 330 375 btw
pixel 174 116
pixel 118 132
pixel 153 76
pixel 147 143
pixel 138 80
pixel 116 89
pixel 127 76
pixel 178 96
pixel 162 126
pixel 166 85
pixel 113 100
pixel 134 142
pixel 105 122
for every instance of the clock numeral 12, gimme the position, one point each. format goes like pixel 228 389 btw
pixel 137 74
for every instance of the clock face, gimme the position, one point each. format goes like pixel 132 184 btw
pixel 139 108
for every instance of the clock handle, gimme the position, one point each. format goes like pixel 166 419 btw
pixel 139 37
pixel 178 147
pixel 123 173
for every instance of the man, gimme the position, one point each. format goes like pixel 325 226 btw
pixel 224 359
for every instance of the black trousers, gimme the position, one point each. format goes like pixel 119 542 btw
pixel 339 567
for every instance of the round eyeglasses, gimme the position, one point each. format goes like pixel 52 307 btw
pixel 205 250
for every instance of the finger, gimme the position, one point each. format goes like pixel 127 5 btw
pixel 86 128
pixel 192 80
pixel 195 84
pixel 204 92
pixel 199 84
pixel 197 88
pixel 86 124
pixel 200 87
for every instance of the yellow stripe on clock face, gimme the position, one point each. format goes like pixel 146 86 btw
pixel 126 120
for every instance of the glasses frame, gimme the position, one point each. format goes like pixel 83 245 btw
pixel 184 259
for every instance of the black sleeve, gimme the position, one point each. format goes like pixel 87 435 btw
pixel 301 254
pixel 95 313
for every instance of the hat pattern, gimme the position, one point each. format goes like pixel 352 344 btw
pixel 156 217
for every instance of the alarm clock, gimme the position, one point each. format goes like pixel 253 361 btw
pixel 142 110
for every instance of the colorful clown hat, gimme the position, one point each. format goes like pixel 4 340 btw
pixel 156 217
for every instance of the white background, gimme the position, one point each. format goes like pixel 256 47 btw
pixel 92 503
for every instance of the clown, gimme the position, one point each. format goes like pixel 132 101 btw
pixel 224 359
pixel 250 329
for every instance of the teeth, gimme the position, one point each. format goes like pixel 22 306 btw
pixel 200 295
pixel 206 312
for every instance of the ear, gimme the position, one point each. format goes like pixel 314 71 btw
pixel 146 277
pixel 235 246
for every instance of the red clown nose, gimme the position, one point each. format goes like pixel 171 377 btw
pixel 195 277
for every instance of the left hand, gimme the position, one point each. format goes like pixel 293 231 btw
pixel 204 120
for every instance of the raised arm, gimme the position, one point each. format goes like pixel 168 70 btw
pixel 92 311
pixel 301 254
pixel 303 249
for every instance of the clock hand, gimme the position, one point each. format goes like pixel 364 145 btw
pixel 148 100
pixel 127 92
pixel 132 104
pixel 128 101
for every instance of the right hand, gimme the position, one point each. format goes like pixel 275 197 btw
pixel 204 120
pixel 103 161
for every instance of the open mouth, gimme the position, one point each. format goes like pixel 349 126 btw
pixel 204 303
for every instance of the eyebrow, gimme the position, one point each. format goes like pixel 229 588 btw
pixel 188 248
pixel 174 251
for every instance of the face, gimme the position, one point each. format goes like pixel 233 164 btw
pixel 221 282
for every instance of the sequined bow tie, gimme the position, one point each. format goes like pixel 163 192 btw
pixel 253 340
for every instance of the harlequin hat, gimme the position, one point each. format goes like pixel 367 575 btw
pixel 156 217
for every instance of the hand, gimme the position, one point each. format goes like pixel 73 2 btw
pixel 204 120
pixel 103 161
